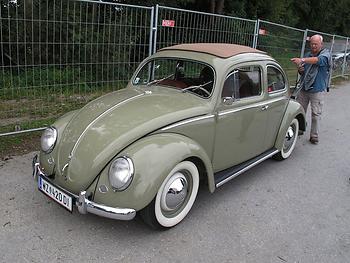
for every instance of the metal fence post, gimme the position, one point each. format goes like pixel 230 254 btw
pixel 256 33
pixel 304 43
pixel 345 52
pixel 151 34
pixel 332 44
pixel 331 70
pixel 154 29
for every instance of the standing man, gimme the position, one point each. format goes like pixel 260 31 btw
pixel 314 70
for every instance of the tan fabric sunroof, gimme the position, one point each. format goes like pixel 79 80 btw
pixel 219 50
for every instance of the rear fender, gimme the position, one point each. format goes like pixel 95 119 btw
pixel 294 110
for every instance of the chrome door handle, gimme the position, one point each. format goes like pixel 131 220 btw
pixel 265 107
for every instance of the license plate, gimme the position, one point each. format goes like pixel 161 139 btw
pixel 56 194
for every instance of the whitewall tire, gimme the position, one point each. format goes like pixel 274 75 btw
pixel 289 141
pixel 174 198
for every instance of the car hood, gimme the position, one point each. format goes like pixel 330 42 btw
pixel 102 128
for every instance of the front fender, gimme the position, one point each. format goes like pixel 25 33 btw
pixel 153 158
pixel 60 125
pixel 294 110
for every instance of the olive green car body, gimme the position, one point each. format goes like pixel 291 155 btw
pixel 159 127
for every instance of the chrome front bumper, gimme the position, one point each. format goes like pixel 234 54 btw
pixel 85 205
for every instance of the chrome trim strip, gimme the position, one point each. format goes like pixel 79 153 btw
pixel 64 167
pixel 254 105
pixel 86 206
pixel 187 121
pixel 97 118
pixel 246 168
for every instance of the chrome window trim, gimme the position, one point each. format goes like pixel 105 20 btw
pixel 277 91
pixel 284 78
pixel 236 69
pixel 187 122
pixel 231 73
pixel 185 59
pixel 254 105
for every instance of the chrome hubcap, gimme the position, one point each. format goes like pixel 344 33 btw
pixel 175 192
pixel 289 139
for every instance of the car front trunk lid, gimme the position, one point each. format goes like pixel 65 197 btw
pixel 102 129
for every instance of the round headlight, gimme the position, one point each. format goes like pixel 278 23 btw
pixel 121 173
pixel 48 139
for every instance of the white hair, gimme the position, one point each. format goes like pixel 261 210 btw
pixel 318 36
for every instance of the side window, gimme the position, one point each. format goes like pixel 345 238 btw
pixel 244 82
pixel 275 79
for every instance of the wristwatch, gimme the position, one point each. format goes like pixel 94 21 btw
pixel 302 60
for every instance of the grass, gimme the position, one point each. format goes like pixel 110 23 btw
pixel 32 124
pixel 339 81
pixel 19 144
pixel 30 97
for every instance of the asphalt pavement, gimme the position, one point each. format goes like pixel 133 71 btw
pixel 297 210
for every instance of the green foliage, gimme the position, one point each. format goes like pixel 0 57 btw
pixel 55 81
pixel 320 15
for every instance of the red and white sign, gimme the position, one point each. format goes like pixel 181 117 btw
pixel 168 23
pixel 262 31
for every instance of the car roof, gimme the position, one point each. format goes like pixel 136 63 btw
pixel 221 50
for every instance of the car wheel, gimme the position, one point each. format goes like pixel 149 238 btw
pixel 174 198
pixel 289 142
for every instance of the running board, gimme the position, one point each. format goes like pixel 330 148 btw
pixel 230 173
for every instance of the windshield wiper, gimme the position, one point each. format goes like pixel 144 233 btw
pixel 156 81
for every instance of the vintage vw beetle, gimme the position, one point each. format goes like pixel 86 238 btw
pixel 191 113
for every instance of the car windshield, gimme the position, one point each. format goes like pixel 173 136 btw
pixel 185 75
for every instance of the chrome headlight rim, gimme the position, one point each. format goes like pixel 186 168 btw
pixel 52 146
pixel 131 172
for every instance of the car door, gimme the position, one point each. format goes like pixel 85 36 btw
pixel 241 118
pixel 276 102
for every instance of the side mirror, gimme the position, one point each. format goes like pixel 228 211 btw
pixel 227 100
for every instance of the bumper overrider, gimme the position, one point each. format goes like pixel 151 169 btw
pixel 83 204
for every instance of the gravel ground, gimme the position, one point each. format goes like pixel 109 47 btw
pixel 292 211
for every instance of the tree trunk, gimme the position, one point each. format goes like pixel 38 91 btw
pixel 212 6
pixel 219 9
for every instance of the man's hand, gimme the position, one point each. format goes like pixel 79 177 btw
pixel 301 68
pixel 300 64
pixel 297 61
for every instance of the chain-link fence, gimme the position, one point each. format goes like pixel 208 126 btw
pixel 282 43
pixel 340 56
pixel 57 55
pixel 176 26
